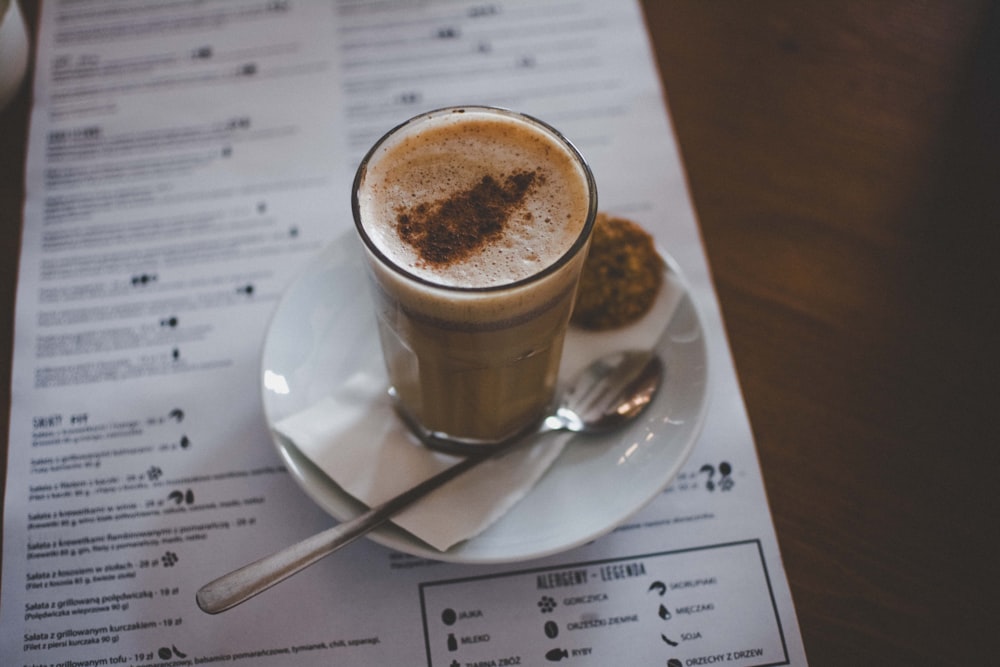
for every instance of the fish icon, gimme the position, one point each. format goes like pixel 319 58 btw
pixel 556 654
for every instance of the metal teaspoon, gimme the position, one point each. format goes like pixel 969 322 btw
pixel 607 394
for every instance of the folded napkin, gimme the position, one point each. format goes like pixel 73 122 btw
pixel 354 436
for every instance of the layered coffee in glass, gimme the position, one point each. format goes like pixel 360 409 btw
pixel 476 223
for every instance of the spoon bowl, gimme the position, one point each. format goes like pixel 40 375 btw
pixel 607 394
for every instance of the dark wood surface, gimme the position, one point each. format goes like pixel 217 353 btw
pixel 843 161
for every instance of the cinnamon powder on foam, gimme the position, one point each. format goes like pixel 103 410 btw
pixel 453 228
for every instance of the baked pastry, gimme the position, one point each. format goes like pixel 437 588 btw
pixel 621 277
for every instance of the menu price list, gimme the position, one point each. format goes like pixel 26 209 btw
pixel 163 645
pixel 701 606
pixel 708 605
pixel 172 194
pixel 169 655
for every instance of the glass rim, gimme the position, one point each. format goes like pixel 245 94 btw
pixel 578 244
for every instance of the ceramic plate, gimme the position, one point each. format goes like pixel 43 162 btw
pixel 323 330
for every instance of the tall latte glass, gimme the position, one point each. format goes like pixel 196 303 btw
pixel 476 223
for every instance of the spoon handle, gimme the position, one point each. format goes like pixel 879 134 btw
pixel 240 585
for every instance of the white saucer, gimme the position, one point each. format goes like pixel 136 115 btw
pixel 323 330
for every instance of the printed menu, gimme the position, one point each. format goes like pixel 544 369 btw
pixel 185 161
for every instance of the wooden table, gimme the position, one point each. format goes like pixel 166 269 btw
pixel 843 160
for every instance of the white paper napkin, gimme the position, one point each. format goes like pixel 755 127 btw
pixel 355 437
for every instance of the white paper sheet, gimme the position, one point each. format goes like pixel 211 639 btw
pixel 185 160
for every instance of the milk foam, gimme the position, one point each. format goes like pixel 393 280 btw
pixel 450 153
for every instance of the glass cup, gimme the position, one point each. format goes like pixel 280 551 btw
pixel 476 222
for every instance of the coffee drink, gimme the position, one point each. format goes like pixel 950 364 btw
pixel 476 223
